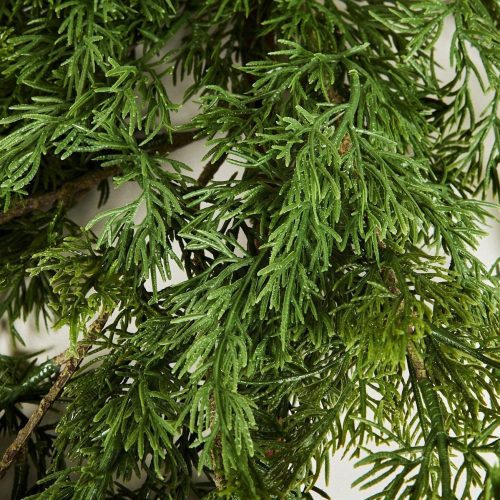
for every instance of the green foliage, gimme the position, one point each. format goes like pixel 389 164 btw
pixel 332 299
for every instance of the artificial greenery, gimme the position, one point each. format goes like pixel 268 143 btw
pixel 332 299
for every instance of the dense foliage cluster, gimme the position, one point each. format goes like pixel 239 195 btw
pixel 332 298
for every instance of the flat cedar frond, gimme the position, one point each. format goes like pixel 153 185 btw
pixel 332 300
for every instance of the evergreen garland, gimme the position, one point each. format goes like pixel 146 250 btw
pixel 332 300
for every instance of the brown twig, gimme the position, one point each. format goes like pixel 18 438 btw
pixel 416 361
pixel 72 190
pixel 216 451
pixel 161 144
pixel 69 362
pixel 209 171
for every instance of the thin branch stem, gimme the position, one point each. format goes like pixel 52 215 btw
pixel 209 171
pixel 72 190
pixel 69 362
pixel 161 144
pixel 416 361
pixel 69 191
pixel 216 451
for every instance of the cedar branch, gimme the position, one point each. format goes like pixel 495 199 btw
pixel 68 191
pixel 72 190
pixel 69 362
pixel 426 387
